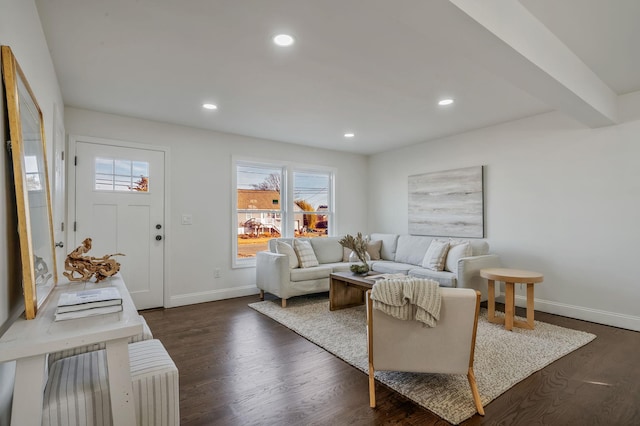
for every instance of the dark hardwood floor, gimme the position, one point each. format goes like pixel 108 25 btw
pixel 238 367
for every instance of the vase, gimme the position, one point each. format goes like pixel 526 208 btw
pixel 358 267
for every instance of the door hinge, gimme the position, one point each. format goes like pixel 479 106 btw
pixel 75 226
pixel 75 160
pixel 62 156
pixel 62 227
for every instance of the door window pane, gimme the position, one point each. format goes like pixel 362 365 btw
pixel 121 175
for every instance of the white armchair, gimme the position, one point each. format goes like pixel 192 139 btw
pixel 447 348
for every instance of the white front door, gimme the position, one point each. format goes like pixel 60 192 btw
pixel 119 203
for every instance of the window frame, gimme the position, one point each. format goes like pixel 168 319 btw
pixel 287 212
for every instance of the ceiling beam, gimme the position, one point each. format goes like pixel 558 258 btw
pixel 534 59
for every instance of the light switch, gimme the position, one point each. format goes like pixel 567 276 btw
pixel 187 219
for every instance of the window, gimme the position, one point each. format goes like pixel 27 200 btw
pixel 259 214
pixel 121 175
pixel 311 196
pixel 279 200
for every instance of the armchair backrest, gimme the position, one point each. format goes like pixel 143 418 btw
pixel 399 345
pixel 447 348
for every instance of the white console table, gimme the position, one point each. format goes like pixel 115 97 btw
pixel 28 342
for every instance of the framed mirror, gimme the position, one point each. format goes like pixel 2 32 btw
pixel 31 180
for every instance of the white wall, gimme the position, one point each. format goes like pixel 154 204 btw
pixel 200 168
pixel 560 199
pixel 20 29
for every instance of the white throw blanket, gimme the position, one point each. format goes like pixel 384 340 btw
pixel 401 297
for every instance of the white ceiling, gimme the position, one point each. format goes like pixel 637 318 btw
pixel 374 67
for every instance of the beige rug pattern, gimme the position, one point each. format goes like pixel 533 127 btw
pixel 502 358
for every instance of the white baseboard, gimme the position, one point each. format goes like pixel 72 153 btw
pixel 572 311
pixel 614 319
pixel 210 296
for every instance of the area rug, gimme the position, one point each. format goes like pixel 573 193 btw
pixel 502 358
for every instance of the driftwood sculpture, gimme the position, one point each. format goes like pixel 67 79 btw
pixel 87 266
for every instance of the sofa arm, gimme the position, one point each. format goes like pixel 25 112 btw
pixel 469 271
pixel 272 273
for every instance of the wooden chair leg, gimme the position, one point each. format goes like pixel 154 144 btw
pixel 474 391
pixel 284 303
pixel 372 388
pixel 372 380
pixel 261 294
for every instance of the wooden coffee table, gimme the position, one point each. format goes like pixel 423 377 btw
pixel 510 277
pixel 347 290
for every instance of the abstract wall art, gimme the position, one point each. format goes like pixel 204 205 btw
pixel 447 203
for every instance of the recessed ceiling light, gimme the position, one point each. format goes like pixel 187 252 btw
pixel 283 40
pixel 209 106
pixel 444 102
pixel 349 135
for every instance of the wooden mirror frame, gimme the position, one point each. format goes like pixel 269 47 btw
pixel 33 199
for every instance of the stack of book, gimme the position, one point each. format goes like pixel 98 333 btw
pixel 87 303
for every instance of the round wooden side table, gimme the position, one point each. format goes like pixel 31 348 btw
pixel 510 277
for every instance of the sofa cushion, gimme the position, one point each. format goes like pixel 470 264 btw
pixel 284 248
pixel 435 256
pixel 479 247
pixel 306 255
pixel 273 241
pixel 457 250
pixel 412 248
pixel 327 249
pixel 389 245
pixel 339 266
pixel 315 273
pixel 445 278
pixel 388 267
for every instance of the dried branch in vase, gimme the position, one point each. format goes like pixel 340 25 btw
pixel 357 244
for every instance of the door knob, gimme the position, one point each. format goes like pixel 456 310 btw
pixel 60 244
pixel 158 237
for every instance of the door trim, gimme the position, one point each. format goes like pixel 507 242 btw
pixel 71 198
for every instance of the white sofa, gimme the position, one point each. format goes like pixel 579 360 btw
pixel 398 254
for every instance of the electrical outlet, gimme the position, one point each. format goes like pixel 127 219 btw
pixel 216 273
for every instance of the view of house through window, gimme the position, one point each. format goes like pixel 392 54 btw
pixel 262 212
pixel 258 211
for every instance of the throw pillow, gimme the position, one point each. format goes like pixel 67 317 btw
pixel 306 255
pixel 373 248
pixel 284 248
pixel 435 256
pixel 457 250
pixel 346 252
